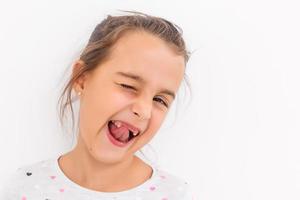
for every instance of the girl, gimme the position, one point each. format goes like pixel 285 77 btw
pixel 126 80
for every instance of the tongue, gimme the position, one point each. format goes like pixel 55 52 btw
pixel 121 133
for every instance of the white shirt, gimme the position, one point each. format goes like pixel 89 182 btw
pixel 44 180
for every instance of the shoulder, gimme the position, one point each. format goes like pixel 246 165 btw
pixel 174 186
pixel 23 178
pixel 34 170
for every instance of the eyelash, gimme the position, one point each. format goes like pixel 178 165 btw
pixel 130 87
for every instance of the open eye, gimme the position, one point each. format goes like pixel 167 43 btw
pixel 162 101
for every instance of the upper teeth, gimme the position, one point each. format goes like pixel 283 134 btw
pixel 119 124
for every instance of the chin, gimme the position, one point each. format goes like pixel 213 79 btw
pixel 110 157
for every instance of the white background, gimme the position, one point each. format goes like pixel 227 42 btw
pixel 238 138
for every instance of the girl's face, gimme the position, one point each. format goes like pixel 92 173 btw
pixel 134 85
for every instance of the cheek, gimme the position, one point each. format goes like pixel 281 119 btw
pixel 154 125
pixel 97 107
pixel 117 100
pixel 157 121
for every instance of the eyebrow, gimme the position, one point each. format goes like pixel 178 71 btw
pixel 140 79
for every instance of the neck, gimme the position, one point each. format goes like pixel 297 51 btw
pixel 84 170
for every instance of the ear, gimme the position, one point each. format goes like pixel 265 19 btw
pixel 78 85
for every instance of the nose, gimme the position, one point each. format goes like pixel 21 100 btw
pixel 142 108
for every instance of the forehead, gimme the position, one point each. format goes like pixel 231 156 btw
pixel 149 57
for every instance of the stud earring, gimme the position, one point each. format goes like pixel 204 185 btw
pixel 79 93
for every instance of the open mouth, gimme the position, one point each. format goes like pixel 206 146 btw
pixel 120 134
